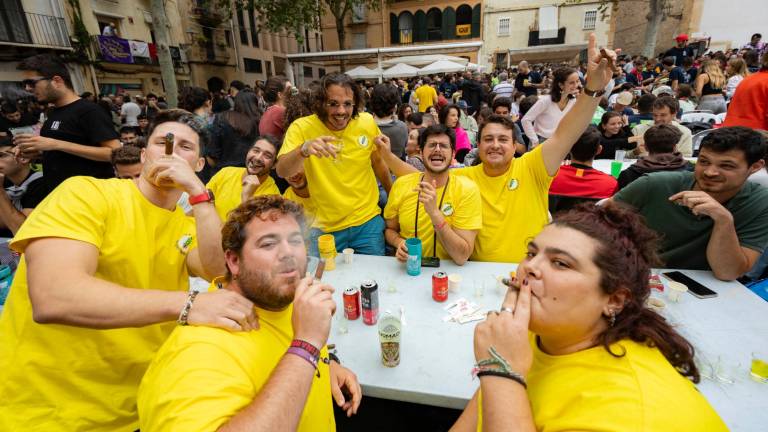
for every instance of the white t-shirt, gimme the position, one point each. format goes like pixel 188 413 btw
pixel 131 112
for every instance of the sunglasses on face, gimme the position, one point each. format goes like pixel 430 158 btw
pixel 31 82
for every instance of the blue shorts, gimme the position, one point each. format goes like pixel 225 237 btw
pixel 365 239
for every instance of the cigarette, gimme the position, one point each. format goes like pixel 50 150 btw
pixel 512 283
pixel 320 269
pixel 169 144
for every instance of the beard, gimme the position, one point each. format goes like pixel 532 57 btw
pixel 261 286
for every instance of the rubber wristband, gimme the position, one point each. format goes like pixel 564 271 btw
pixel 508 375
pixel 441 225
pixel 306 355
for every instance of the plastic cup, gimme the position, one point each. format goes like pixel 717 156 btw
pixel 326 243
pixel 676 289
pixel 616 167
pixel 389 338
pixel 349 255
pixel 454 282
pixel 479 288
pixel 759 369
pixel 621 155
pixel 414 256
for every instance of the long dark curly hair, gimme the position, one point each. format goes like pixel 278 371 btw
pixel 625 255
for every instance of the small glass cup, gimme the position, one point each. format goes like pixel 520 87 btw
pixel 479 288
pixel 759 369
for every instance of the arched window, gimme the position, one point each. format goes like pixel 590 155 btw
pixel 405 25
pixel 464 21
pixel 434 24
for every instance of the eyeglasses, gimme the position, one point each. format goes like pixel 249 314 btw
pixel 335 105
pixel 31 82
pixel 433 145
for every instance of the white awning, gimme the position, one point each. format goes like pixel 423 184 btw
pixel 421 61
pixel 441 66
pixel 362 72
pixel 401 70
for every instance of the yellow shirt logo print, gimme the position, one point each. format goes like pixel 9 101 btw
pixel 363 141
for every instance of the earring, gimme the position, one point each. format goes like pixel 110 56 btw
pixel 611 318
pixel 234 276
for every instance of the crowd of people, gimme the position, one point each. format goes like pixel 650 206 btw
pixel 113 203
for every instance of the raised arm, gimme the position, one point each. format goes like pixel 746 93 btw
pixel 599 71
pixel 394 163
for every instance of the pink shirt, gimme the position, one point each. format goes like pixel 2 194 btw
pixel 462 139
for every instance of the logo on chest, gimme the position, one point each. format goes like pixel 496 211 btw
pixel 184 243
pixel 55 125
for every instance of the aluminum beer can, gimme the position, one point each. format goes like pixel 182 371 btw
pixel 439 286
pixel 352 303
pixel 369 301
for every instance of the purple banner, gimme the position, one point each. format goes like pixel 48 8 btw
pixel 114 49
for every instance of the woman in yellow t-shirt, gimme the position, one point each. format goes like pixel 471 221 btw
pixel 578 333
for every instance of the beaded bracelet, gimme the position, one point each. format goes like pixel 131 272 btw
pixel 184 315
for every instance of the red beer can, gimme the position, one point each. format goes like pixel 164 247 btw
pixel 369 301
pixel 439 286
pixel 352 303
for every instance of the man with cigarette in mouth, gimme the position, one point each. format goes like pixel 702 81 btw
pixel 234 185
pixel 277 378
pixel 102 282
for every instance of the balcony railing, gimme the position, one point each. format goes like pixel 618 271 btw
pixel 32 29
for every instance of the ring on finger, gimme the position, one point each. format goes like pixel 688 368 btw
pixel 507 309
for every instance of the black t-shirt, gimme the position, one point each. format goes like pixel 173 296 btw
pixel 682 76
pixel 521 87
pixel 679 53
pixel 81 122
pixel 36 192
pixel 472 93
pixel 27 119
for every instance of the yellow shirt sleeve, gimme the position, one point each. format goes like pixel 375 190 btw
pixel 534 164
pixel 395 198
pixel 77 210
pixel 199 388
pixel 294 137
pixel 468 214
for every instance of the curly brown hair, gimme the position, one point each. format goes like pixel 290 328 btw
pixel 339 79
pixel 625 255
pixel 264 207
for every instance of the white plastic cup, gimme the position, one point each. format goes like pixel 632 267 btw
pixel 676 289
pixel 620 155
pixel 349 254
pixel 656 304
pixel 454 282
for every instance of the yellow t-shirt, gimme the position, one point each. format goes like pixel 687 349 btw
pixel 203 376
pixel 309 206
pixel 515 207
pixel 345 191
pixel 427 97
pixel 227 188
pixel 58 377
pixel 640 391
pixel 461 207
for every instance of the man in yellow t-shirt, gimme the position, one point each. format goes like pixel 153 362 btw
pixel 233 185
pixel 278 377
pixel 443 209
pixel 334 147
pixel 514 191
pixel 426 94
pixel 104 273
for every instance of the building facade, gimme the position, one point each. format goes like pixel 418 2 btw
pixel 540 31
pixel 29 27
pixel 400 23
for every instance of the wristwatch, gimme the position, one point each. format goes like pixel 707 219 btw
pixel 206 196
pixel 593 93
